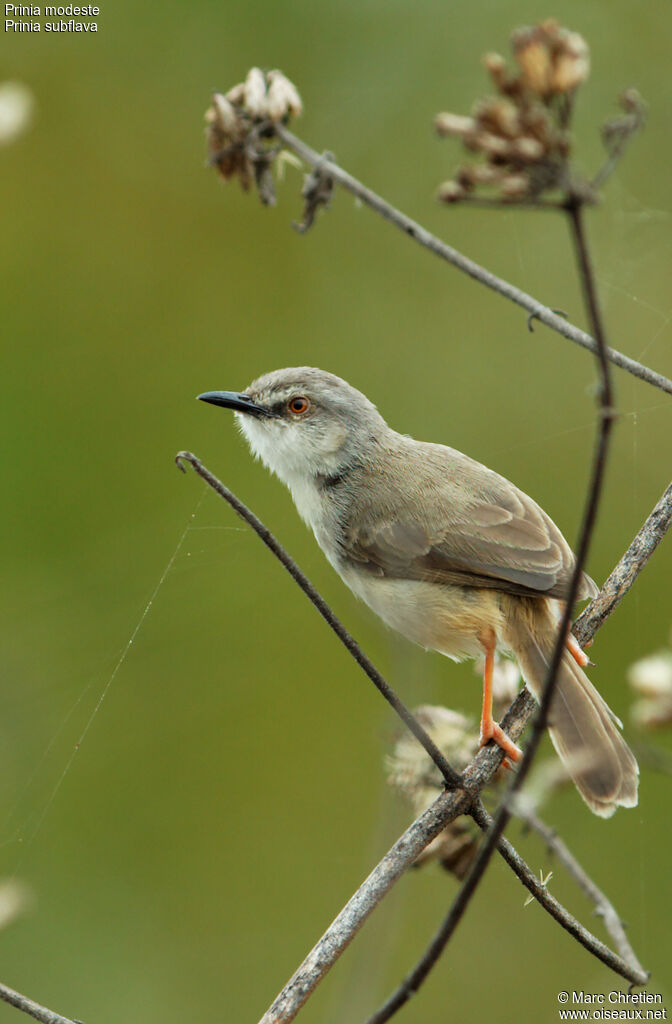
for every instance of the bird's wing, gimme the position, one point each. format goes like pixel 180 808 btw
pixel 473 529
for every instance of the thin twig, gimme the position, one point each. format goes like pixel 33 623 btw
pixel 446 252
pixel 618 134
pixel 504 811
pixel 603 906
pixel 626 572
pixel 452 778
pixel 32 1008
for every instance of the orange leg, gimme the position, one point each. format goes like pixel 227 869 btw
pixel 490 730
pixel 580 657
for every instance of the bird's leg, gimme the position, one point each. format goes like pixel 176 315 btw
pixel 490 730
pixel 577 652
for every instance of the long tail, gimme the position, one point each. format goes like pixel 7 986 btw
pixel 583 729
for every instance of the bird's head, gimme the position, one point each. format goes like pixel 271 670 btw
pixel 302 422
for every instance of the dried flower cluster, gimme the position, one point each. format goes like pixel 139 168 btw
pixel 240 128
pixel 651 679
pixel 412 772
pixel 522 131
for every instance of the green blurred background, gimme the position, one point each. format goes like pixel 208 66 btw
pixel 229 794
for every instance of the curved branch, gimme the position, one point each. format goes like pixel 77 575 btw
pixel 626 572
pixel 452 778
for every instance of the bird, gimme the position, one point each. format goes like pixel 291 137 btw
pixel 447 552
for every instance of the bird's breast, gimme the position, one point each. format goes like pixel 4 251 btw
pixel 438 617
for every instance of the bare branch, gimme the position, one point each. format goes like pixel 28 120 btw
pixel 451 777
pixel 446 252
pixel 626 572
pixel 33 1009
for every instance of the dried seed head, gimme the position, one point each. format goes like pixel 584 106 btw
pixel 491 144
pixel 471 175
pixel 498 115
pixel 255 93
pixel 236 96
pixel 535 63
pixel 240 138
pixel 222 116
pixel 226 129
pixel 571 65
pixel 552 59
pixel 483 174
pixel 495 65
pixel 454 124
pixel 515 186
pixel 283 99
pixel 528 149
pixel 450 192
pixel 522 132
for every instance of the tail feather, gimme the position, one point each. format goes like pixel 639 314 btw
pixel 583 729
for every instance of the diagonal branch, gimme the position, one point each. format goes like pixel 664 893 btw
pixel 32 1008
pixel 626 572
pixel 451 777
pixel 468 266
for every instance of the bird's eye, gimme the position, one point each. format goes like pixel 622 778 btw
pixel 298 405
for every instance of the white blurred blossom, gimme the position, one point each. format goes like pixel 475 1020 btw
pixel 16 108
pixel 652 676
pixel 14 899
pixel 651 679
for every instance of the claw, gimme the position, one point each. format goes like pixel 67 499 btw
pixel 492 731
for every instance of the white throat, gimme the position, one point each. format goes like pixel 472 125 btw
pixel 298 459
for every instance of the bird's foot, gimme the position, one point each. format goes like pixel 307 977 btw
pixel 577 652
pixel 492 731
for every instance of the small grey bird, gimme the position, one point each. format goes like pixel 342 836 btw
pixel 446 551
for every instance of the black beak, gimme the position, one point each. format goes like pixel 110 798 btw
pixel 235 400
